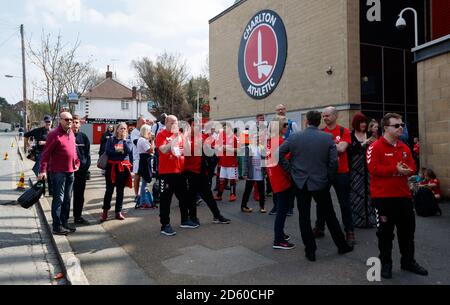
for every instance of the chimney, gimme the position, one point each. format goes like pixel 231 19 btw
pixel 109 74
pixel 134 93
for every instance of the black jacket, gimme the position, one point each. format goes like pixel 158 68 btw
pixel 83 150
pixel 105 137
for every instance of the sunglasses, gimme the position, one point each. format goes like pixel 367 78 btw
pixel 68 120
pixel 397 126
pixel 48 122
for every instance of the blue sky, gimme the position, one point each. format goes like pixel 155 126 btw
pixel 113 32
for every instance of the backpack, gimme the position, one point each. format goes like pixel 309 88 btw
pixel 289 130
pixel 425 203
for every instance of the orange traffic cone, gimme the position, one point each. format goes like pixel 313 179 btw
pixel 6 156
pixel 21 183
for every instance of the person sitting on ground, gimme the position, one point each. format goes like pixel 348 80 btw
pixel 414 181
pixel 431 182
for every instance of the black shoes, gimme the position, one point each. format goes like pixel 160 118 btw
pixel 81 221
pixel 69 228
pixel 346 248
pixel 414 267
pixel 60 231
pixel 221 220
pixel 311 256
pixel 386 271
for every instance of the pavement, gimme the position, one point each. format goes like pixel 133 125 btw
pixel 236 254
pixel 134 252
pixel 27 256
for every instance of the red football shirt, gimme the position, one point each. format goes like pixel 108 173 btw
pixel 225 159
pixel 193 163
pixel 346 137
pixel 279 179
pixel 173 161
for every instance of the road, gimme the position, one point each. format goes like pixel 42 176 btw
pixel 27 256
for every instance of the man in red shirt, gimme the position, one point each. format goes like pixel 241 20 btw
pixel 196 172
pixel 390 163
pixel 227 151
pixel 341 184
pixel 60 157
pixel 170 144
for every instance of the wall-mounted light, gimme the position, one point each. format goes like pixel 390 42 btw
pixel 401 23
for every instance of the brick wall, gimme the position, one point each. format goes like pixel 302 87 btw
pixel 320 34
pixel 434 117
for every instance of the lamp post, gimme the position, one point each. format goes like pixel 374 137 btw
pixel 198 103
pixel 401 23
pixel 25 104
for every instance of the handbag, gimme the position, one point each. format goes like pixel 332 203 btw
pixel 32 195
pixel 32 154
pixel 102 161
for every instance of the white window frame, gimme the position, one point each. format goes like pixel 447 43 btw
pixel 125 105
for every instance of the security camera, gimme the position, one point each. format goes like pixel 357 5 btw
pixel 401 23
pixel 330 70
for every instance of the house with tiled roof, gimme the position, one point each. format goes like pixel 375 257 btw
pixel 110 102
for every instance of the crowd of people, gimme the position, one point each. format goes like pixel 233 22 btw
pixel 368 168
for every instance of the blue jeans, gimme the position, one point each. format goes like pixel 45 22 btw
pixel 284 202
pixel 342 187
pixel 62 195
pixel 37 164
pixel 143 200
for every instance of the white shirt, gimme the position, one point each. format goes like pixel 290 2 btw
pixel 135 135
pixel 143 146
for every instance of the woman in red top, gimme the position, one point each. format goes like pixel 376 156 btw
pixel 432 183
pixel 283 196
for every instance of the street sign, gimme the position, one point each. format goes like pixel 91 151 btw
pixel 73 97
pixel 151 106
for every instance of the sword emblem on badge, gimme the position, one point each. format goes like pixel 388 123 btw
pixel 263 66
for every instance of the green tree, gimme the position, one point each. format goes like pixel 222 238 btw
pixel 37 112
pixel 8 114
pixel 197 87
pixel 164 82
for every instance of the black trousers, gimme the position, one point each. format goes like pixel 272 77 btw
pixel 198 184
pixel 79 186
pixel 325 208
pixel 173 184
pixel 391 213
pixel 121 179
pixel 248 191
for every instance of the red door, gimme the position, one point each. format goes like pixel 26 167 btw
pixel 99 130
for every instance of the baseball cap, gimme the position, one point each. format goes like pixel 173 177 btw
pixel 47 118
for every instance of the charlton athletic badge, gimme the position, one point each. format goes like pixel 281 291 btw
pixel 262 54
